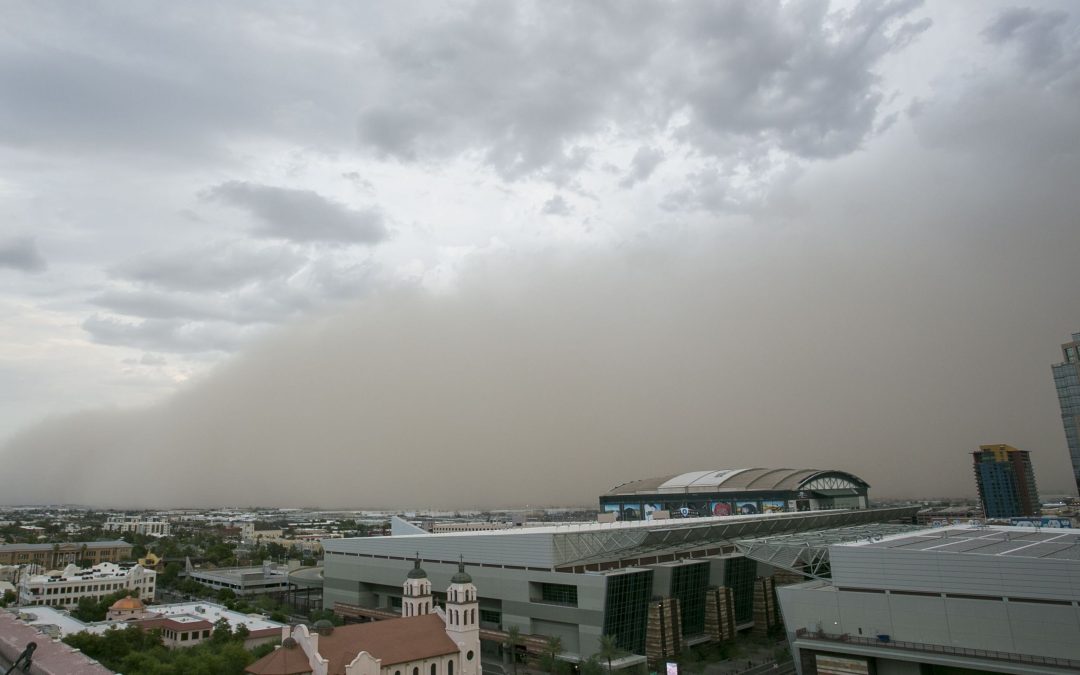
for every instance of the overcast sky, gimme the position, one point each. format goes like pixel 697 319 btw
pixel 409 254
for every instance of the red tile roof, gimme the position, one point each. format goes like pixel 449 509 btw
pixel 281 661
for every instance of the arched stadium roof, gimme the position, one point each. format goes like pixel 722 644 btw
pixel 739 480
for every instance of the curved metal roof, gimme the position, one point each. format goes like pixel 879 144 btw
pixel 733 480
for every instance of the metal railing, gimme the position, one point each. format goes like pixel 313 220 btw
pixel 886 641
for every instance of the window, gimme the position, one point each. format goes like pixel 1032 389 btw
pixel 555 594
pixel 415 671
pixel 449 667
pixel 469 656
pixel 433 670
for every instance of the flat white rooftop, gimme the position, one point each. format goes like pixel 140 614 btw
pixel 207 611
pixel 1020 542
pixel 182 612
pixel 42 617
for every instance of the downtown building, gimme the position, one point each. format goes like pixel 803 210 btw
pixel 1006 482
pixel 1067 383
pixel 657 586
pixel 153 527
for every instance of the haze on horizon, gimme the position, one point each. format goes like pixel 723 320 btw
pixel 492 255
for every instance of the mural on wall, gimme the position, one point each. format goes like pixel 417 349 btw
pixel 747 508
pixel 687 510
pixel 720 508
pixel 772 506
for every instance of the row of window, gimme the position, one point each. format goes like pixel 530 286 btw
pixel 455 616
pixel 90 588
pixel 434 669
pixel 185 636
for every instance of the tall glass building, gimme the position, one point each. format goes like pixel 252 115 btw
pixel 1006 482
pixel 1067 381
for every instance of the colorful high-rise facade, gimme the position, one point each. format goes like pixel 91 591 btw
pixel 1006 482
pixel 1067 382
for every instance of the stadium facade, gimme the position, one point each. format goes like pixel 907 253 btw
pixel 728 492
pixel 657 586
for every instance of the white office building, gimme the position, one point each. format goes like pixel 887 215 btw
pixel 154 527
pixel 66 588
pixel 942 600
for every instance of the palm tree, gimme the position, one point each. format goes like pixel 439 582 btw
pixel 608 649
pixel 513 639
pixel 551 650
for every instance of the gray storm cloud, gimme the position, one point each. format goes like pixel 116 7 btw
pixel 843 341
pixel 883 304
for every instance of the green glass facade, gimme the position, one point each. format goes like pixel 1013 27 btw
pixel 739 576
pixel 626 609
pixel 688 585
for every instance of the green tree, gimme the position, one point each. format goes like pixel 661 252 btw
pixel 9 598
pixel 550 661
pixel 225 594
pixel 592 666
pixel 609 649
pixel 90 609
pixel 266 603
pixel 513 640
pixel 222 632
pixel 241 633
pixel 325 614
pixel 170 575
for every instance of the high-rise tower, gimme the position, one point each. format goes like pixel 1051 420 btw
pixel 1067 381
pixel 1006 482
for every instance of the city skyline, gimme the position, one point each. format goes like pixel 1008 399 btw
pixel 251 254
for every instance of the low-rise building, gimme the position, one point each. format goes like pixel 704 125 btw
pixel 188 616
pixel 53 556
pixel 65 588
pixel 183 624
pixel 245 581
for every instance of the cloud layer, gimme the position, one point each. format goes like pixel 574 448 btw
pixel 843 341
pixel 595 240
